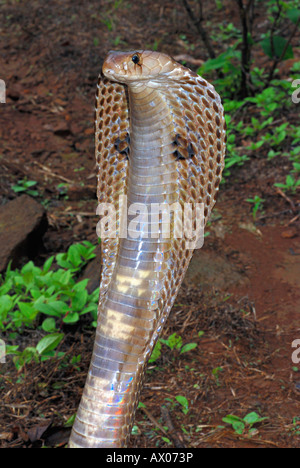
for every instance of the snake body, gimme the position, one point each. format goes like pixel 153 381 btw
pixel 160 139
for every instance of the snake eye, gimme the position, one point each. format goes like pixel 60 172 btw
pixel 135 58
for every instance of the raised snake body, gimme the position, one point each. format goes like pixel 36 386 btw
pixel 160 139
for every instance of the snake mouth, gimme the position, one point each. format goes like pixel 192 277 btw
pixel 117 64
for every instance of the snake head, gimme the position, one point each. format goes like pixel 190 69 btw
pixel 140 65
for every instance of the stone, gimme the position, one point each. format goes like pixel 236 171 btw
pixel 23 222
pixel 208 269
pixel 93 272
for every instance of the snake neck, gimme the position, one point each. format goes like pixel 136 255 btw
pixel 151 159
pixel 134 293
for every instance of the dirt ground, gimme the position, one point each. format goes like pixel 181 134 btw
pixel 242 288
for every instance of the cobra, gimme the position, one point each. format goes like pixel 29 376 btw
pixel 160 139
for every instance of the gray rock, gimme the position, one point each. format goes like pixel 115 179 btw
pixel 23 222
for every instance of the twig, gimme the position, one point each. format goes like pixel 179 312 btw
pixel 153 420
pixel 53 174
pixel 85 214
pixel 172 433
pixel 292 220
pixel 201 30
pixel 280 192
pixel 279 59
pixel 247 23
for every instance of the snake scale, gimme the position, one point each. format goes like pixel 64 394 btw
pixel 160 139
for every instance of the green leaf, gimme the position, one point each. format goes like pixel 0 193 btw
pixel 174 341
pixel 70 421
pixel 79 301
pixel 28 278
pixel 183 402
pixel 30 267
pixel 30 183
pixel 238 427
pixel 28 311
pixel 165 439
pixel 61 260
pixel 71 317
pixel 94 297
pixel 11 350
pixel 81 285
pixel 279 44
pixel 293 14
pixel 236 422
pixel 74 255
pixel 6 304
pixel 63 277
pixel 156 352
pixel 252 418
pixel 92 308
pixel 231 418
pixel 49 342
pixel 49 325
pixel 289 181
pixel 57 308
pixel 188 347
pixel 48 264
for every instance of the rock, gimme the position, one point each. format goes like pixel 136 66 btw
pixel 23 222
pixel 93 271
pixel 208 269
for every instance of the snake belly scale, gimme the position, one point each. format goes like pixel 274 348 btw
pixel 160 139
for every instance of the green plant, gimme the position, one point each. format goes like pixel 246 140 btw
pixel 296 166
pixel 257 204
pixel 227 63
pixel 290 185
pixel 46 298
pixel 25 186
pixel 183 402
pixel 43 350
pixel 296 425
pixel 270 100
pixel 173 342
pixel 216 374
pixel 233 156
pixel 26 293
pixel 240 425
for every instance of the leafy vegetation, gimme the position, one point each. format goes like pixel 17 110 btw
pixel 174 342
pixel 256 103
pixel 257 205
pixel 26 186
pixel 47 299
pixel 242 425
